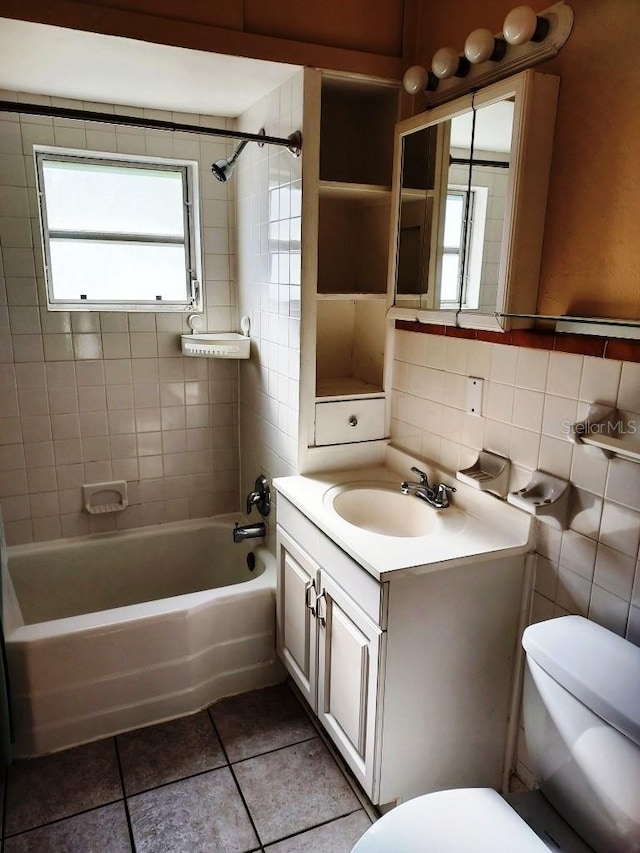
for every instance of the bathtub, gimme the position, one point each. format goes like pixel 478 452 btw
pixel 110 632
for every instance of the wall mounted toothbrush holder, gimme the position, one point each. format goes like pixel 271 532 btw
pixel 489 473
pixel 545 497
pixel 105 497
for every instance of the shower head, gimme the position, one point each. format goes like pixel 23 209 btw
pixel 223 169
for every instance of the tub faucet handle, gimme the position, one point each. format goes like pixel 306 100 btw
pixel 260 496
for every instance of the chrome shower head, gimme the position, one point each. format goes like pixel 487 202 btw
pixel 223 169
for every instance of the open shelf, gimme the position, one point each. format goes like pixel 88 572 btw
pixel 345 387
pixel 351 297
pixel 340 189
pixel 350 347
pixel 356 128
pixel 626 447
pixel 353 243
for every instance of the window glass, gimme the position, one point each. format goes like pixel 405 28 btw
pixel 119 233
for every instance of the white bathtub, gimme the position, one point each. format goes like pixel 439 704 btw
pixel 109 632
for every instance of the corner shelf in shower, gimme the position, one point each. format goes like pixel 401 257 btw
pixel 216 345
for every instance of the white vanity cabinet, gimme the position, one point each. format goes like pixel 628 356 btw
pixel 410 675
pixel 331 647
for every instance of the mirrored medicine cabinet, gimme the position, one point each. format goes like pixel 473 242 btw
pixel 470 192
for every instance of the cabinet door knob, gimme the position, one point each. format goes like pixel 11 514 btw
pixel 353 421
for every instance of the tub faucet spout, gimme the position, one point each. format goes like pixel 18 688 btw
pixel 249 531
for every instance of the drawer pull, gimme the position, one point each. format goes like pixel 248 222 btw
pixel 353 421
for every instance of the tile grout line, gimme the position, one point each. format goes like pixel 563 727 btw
pixel 370 810
pixel 270 751
pixel 237 784
pixel 124 796
pixel 314 827
pixel 62 819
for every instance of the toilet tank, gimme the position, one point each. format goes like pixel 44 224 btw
pixel 581 710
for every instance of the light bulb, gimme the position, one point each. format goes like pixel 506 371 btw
pixel 415 79
pixel 482 45
pixel 522 25
pixel 447 63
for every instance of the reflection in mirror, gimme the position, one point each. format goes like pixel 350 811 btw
pixel 486 196
pixel 455 178
pixel 416 215
pixel 453 249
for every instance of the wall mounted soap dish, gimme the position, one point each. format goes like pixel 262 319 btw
pixel 105 497
pixel 489 473
pixel 545 497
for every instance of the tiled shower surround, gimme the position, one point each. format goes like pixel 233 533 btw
pixel 88 397
pixel 530 397
pixel 269 198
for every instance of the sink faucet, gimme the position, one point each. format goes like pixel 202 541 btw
pixel 436 495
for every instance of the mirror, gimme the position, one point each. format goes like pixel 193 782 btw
pixel 454 187
pixel 486 204
pixel 470 192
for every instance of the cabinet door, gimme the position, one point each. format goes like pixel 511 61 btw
pixel 296 609
pixel 349 653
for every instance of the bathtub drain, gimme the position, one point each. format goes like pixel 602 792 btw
pixel 251 561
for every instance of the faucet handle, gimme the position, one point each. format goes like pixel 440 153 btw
pixel 423 477
pixel 442 493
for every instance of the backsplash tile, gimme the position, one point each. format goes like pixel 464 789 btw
pixel 88 396
pixel 530 398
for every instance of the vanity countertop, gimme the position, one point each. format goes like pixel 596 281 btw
pixel 475 525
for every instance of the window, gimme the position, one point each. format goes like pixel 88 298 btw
pixel 462 265
pixel 119 233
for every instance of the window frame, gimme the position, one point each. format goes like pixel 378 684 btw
pixel 192 239
pixel 470 255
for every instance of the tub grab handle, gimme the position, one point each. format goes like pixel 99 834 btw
pixel 105 497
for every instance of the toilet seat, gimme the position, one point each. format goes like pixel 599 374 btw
pixel 463 820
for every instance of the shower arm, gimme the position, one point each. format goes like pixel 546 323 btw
pixel 293 142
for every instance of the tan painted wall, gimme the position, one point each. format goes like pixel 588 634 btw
pixel 591 256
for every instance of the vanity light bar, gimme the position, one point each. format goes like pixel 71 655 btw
pixel 526 40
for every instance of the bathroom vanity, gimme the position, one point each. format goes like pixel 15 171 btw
pixel 400 625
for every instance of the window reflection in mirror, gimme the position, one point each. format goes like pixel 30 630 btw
pixel 455 178
pixel 487 193
pixel 455 205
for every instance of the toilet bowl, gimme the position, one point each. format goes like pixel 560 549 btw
pixel 581 707
pixel 465 820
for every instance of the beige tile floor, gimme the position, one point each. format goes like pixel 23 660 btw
pixel 248 774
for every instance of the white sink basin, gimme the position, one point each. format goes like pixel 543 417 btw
pixel 381 508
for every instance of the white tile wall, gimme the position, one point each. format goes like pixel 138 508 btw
pixel 269 186
pixel 592 568
pixel 86 396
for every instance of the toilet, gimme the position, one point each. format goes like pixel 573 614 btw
pixel 581 708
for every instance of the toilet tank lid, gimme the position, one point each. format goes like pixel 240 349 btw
pixel 596 666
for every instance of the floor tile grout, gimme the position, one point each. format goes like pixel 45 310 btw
pixel 62 819
pixel 124 796
pixel 261 846
pixel 270 751
pixel 310 828
pixel 237 784
pixel 370 810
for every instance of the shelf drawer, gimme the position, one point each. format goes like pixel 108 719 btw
pixel 346 421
